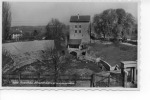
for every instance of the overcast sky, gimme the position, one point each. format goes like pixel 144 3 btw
pixel 38 13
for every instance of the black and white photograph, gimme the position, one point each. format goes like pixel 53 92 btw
pixel 70 45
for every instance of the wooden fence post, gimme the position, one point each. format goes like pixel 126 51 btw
pixel 39 84
pixel 19 78
pixel 75 79
pixel 108 80
pixel 92 81
pixel 123 79
pixel 9 79
pixel 124 82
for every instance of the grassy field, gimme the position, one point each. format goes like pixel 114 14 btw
pixel 113 53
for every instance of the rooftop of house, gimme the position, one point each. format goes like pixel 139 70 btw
pixel 26 53
pixel 16 31
pixel 80 18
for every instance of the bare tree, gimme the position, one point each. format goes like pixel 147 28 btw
pixel 6 21
pixel 56 61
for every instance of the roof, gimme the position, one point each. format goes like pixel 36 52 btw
pixel 16 48
pixel 74 41
pixel 128 64
pixel 25 53
pixel 85 18
pixel 16 31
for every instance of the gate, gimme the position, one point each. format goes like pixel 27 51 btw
pixel 107 79
pixel 116 79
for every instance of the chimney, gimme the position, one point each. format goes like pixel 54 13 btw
pixel 78 16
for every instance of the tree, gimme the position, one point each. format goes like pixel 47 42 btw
pixel 35 34
pixel 27 36
pixel 135 32
pixel 104 22
pixel 6 20
pixel 113 22
pixel 56 60
pixel 54 30
pixel 129 24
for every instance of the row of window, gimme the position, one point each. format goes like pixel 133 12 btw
pixel 77 31
pixel 82 35
pixel 76 26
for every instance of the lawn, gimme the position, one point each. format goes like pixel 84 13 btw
pixel 113 54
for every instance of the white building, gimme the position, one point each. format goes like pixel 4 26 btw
pixel 17 34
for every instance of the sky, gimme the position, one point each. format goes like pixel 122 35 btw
pixel 40 13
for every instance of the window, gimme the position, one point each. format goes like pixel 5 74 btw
pixel 79 31
pixel 79 26
pixel 75 31
pixel 75 26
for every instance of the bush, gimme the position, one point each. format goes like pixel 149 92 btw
pixel 133 42
pixel 7 62
pixel 6 58
pixel 116 43
pixel 124 48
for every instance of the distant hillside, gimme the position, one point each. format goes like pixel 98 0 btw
pixel 41 29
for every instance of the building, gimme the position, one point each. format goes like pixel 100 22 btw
pixel 80 28
pixel 79 31
pixel 16 35
pixel 74 46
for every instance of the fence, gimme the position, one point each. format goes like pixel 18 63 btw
pixel 129 72
pixel 107 79
pixel 43 80
pixel 103 79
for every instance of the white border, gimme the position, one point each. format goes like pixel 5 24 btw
pixel 78 88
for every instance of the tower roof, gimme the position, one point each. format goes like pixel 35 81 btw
pixel 80 18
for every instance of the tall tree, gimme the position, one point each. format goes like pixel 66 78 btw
pixel 113 22
pixel 6 20
pixel 54 29
pixel 104 22
pixel 129 24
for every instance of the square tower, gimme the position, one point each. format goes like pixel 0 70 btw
pixel 80 28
